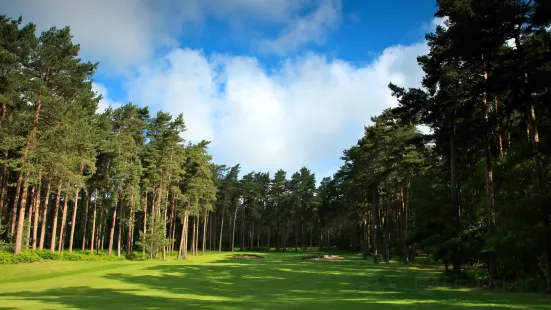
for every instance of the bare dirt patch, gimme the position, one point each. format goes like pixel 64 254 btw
pixel 247 256
pixel 325 258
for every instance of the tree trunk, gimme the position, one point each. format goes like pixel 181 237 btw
pixel 119 237
pixel 388 223
pixel 73 220
pixel 56 212
pixel 242 230
pixel 84 230
pixel 130 225
pixel 21 218
pixel 36 215
pixel 186 239
pixel 365 247
pixel 455 208
pixel 404 225
pixel 144 221
pixel 112 230
pixel 13 213
pixel 197 236
pixel 233 229
pixel 221 230
pixel 44 217
pixel 29 144
pixel 192 249
pixel 93 233
pixel 30 217
pixel 205 220
pixel 171 226
pixel 183 238
pixel 61 245
pixel 374 227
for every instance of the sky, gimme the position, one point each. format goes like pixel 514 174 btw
pixel 272 84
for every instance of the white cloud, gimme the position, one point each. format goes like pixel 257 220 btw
pixel 105 102
pixel 312 28
pixel 124 34
pixel 116 33
pixel 307 110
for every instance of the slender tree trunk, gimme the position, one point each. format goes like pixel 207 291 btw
pixel 183 238
pixel 84 231
pixel 489 175
pixel 30 217
pixel 61 244
pixel 21 218
pixel 186 224
pixel 171 225
pixel 4 189
pixel 192 249
pixel 197 236
pixel 44 217
pixel 455 208
pixel 119 237
pixel 233 229
pixel 388 223
pixel 112 230
pixel 13 213
pixel 205 220
pixel 73 220
pixel 221 230
pixel 252 236
pixel 56 212
pixel 144 221
pixel 365 235
pixel 242 229
pixel 374 227
pixel 28 146
pixel 93 232
pixel 36 215
pixel 130 225
pixel 404 224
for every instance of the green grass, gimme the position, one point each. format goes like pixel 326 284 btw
pixel 217 281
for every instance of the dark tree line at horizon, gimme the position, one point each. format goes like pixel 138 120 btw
pixel 474 191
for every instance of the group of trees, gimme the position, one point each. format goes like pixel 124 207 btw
pixel 121 180
pixel 476 190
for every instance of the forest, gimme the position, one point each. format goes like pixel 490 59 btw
pixel 473 192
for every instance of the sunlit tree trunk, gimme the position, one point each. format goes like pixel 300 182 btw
pixel 36 215
pixel 93 232
pixel 112 230
pixel 61 245
pixel 54 220
pixel 85 228
pixel 44 222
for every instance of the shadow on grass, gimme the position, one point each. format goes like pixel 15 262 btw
pixel 280 281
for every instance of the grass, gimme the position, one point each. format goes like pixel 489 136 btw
pixel 218 281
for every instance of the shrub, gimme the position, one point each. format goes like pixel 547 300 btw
pixel 37 255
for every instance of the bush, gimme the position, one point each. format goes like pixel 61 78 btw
pixel 37 255
pixel 23 257
pixel 136 256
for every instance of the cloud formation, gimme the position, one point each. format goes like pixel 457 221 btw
pixel 306 110
pixel 123 34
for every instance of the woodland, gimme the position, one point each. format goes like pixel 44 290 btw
pixel 471 193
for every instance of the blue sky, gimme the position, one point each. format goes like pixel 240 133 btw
pixel 273 84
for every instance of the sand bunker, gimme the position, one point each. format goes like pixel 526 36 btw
pixel 247 256
pixel 325 258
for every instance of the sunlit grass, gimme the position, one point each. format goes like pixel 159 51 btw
pixel 218 281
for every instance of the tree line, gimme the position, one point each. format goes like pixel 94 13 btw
pixel 475 191
pixel 121 180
